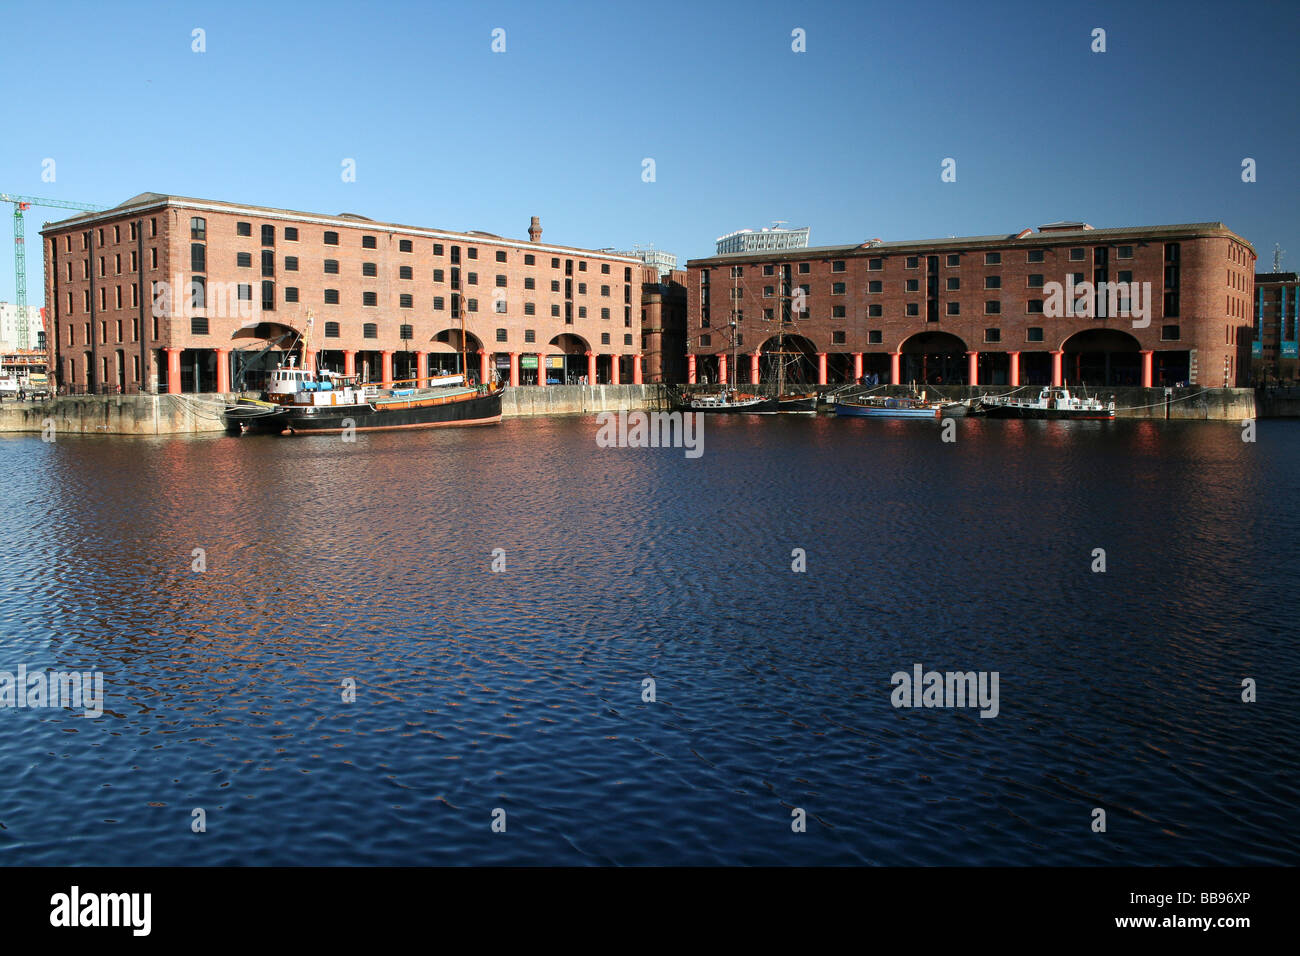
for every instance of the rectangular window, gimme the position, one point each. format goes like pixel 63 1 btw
pixel 993 282
pixel 501 335
pixel 501 282
pixel 1035 307
pixel 501 256
pixel 405 272
pixel 404 245
pixel 369 269
pixel 268 262
pixel 268 235
pixel 627 339
pixel 992 335
pixel 243 228
pixel 992 307
pixel 1034 255
pixel 471 305
pixel 198 325
pixel 954 284
pixel 471 278
pixel 331 330
pixel 604 290
pixel 369 330
pixel 838 312
pixel 913 308
pixel 993 258
pixel 331 296
pixel 530 308
pixel 331 238
pixel 244 260
pixel 912 262
pixel 604 338
pixel 530 282
pixel 290 263
pixel 838 338
pixel 530 259
pixel 1124 252
pixel 198 230
pixel 604 268
pixel 1036 281
pixel 604 314
pixel 912 285
pixel 837 288
pixel 331 267
pixel 198 257
pixel 472 252
pixel 439 304
pixel 838 265
pixel 437 248
pixel 370 298
pixel 405 302
pixel 875 311
pixel 290 233
pixel 954 260
pixel 530 336
pixel 555 311
pixel 954 308
pixel 1034 333
pixel 290 293
pixel 875 286
pixel 268 296
pixel 438 275
pixel 582 311
pixel 369 242
pixel 875 336
pixel 804 268
pixel 405 332
pixel 582 288
pixel 705 341
pixel 1170 333
pixel 1077 255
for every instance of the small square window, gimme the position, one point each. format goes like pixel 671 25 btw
pixel 243 228
pixel 369 242
pixel 290 233
pixel 1035 255
pixel 804 268
pixel 954 308
pixel 875 336
pixel 405 302
pixel 954 284
pixel 331 238
pixel 875 265
pixel 437 248
pixel 1124 252
pixel 992 335
pixel 1034 333
pixel 875 311
pixel 838 266
pixel 501 256
pixel 1077 255
pixel 992 307
pixel 954 260
pixel 912 262
pixel 501 335
pixel 1170 333
pixel 530 259
pixel 838 338
pixel 913 308
pixel 331 296
pixel 370 298
pixel 370 330
pixel 992 258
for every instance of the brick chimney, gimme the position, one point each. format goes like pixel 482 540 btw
pixel 535 230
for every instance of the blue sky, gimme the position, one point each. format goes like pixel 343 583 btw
pixel 847 137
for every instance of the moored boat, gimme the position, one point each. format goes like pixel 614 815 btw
pixel 881 406
pixel 1054 402
pixel 729 400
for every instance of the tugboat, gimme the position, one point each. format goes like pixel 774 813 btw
pixel 1054 401
pixel 303 399
pixel 297 400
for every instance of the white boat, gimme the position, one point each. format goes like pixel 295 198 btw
pixel 1054 401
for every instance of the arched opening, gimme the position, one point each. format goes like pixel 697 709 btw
pixel 796 353
pixel 934 358
pixel 445 352
pixel 1102 357
pixel 570 366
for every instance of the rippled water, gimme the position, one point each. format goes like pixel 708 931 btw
pixel 522 690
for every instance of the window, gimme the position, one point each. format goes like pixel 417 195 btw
pixel 1036 281
pixel 405 302
pixel 604 290
pixel 405 332
pixel 582 311
pixel 370 331
pixel 837 288
pixel 992 335
pixel 530 308
pixel 954 308
pixel 838 338
pixel 268 262
pixel 874 286
pixel 439 304
pixel 1076 255
pixel 331 296
pixel 243 228
pixel 838 266
pixel 472 252
pixel 370 298
pixel 838 312
pixel 953 283
pixel 290 293
pixel 555 310
pixel 244 291
pixel 769 270
pixel 604 338
pixel 604 314
pixel 290 233
pixel 471 278
pixel 992 307
pixel 501 335
pixel 198 258
pixel 501 282
pixel 530 336
pixel 804 268
pixel 369 269
pixel 705 341
pixel 954 260
pixel 331 330
pixel 912 262
pixel 268 235
pixel 1035 307
pixel 244 260
pixel 582 266
pixel 331 267
pixel 875 336
pixel 405 272
pixel 875 265
pixel 198 230
pixel 404 245
pixel 331 238
pixel 993 282
pixel 912 285
pixel 438 275
pixel 1124 252
pixel 471 305
pixel 555 263
pixel 198 325
pixel 555 285
pixel 1034 255
pixel 153 258
pixel 1034 333
pixel 530 259
pixel 290 263
pixel 913 308
pixel 369 242
pixel 582 288
pixel 993 258
pixel 530 282
pixel 1170 333
pixel 437 248
pixel 1125 275
pixel 268 296
pixel 501 256
pixel 875 311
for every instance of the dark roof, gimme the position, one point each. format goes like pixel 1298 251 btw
pixel 1262 277
pixel 1054 237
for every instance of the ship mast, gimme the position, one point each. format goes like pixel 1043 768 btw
pixel 780 333
pixel 735 287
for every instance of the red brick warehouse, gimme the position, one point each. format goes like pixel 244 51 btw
pixel 387 300
pixel 978 310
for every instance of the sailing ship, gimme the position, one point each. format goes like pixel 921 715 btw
pixel 1053 401
pixel 300 398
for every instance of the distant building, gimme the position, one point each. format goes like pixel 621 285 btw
pixel 1275 345
pixel 663 262
pixel 765 240
pixel 11 338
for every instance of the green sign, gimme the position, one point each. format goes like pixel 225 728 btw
pixel 528 361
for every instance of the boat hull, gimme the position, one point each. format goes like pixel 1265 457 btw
pixel 1005 411
pixel 880 411
pixel 475 409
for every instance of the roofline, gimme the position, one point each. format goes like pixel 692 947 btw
pixel 1011 240
pixel 271 212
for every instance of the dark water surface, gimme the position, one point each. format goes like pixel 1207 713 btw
pixel 521 690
